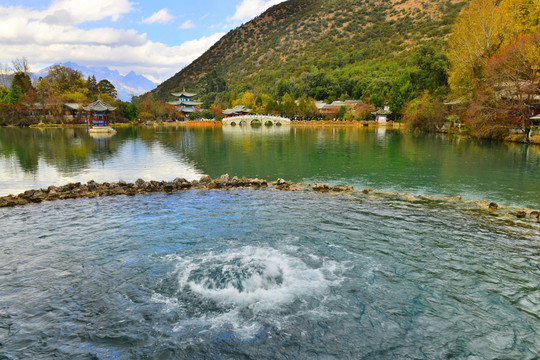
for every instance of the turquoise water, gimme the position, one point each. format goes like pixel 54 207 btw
pixel 382 160
pixel 263 274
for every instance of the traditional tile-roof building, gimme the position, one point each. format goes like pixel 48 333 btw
pixel 236 111
pixel 186 103
pixel 381 115
pixel 100 113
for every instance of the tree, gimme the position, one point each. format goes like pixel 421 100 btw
pixel 3 95
pixel 521 17
pixel 288 106
pixel 4 75
pixel 217 112
pixel 477 35
pixel 63 80
pixel 424 113
pixel 247 99
pixel 513 82
pixel 91 84
pixel 482 28
pixel 401 93
pixel 207 114
pixel 307 108
pixel 213 83
pixel 20 66
pixel 342 112
pixel 128 110
pixel 431 72
pixel 21 85
pixel 105 87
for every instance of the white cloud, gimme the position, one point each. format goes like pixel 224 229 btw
pixel 187 25
pixel 79 11
pixel 43 39
pixel 248 9
pixel 162 16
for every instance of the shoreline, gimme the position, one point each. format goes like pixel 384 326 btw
pixel 511 139
pixel 140 187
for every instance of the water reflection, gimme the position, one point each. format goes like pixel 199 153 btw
pixel 241 131
pixel 37 158
pixel 102 141
pixel 384 159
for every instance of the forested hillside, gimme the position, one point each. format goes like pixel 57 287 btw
pixel 326 49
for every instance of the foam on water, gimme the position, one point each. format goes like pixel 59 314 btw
pixel 258 278
pixel 243 289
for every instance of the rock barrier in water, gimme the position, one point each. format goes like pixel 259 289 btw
pixel 92 189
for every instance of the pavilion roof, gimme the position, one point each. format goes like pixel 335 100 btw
pixel 189 103
pixel 237 109
pixel 382 112
pixel 99 105
pixel 184 94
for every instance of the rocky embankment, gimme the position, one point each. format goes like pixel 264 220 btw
pixel 92 189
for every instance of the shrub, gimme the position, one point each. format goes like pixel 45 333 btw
pixel 424 114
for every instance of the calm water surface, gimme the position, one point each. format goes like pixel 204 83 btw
pixel 246 274
pixel 383 160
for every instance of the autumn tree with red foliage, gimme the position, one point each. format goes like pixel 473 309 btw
pixel 512 85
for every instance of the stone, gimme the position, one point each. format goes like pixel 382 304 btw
pixel 224 178
pixel 205 179
pixel 366 191
pixel 534 215
pixel 493 206
pixel 168 188
pixel 140 182
pixel 321 188
pixel 521 214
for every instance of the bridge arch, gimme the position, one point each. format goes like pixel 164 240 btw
pixel 256 119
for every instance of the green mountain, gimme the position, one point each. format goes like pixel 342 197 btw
pixel 325 49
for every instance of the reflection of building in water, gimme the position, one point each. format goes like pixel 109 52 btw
pixel 233 131
pixel 102 141
pixel 381 132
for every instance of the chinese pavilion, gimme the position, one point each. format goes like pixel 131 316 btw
pixel 186 103
pixel 100 115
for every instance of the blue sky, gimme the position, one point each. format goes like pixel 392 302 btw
pixel 153 38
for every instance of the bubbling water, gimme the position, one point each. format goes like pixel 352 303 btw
pixel 247 289
pixel 258 278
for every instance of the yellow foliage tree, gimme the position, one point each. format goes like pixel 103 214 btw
pixel 247 99
pixel 481 29
pixel 520 17
pixel 477 35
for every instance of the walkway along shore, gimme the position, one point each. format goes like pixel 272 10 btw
pixel 92 189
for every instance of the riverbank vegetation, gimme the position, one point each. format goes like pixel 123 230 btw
pixel 475 62
pixel 56 98
pixel 443 65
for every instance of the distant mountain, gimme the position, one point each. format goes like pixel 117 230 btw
pixel 127 86
pixel 348 45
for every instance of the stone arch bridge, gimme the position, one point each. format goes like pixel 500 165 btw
pixel 256 119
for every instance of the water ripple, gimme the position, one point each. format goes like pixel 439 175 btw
pixel 265 274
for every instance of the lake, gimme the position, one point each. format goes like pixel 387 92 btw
pixel 383 159
pixel 262 274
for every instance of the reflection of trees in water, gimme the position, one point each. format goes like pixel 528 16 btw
pixel 67 150
pixel 339 155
